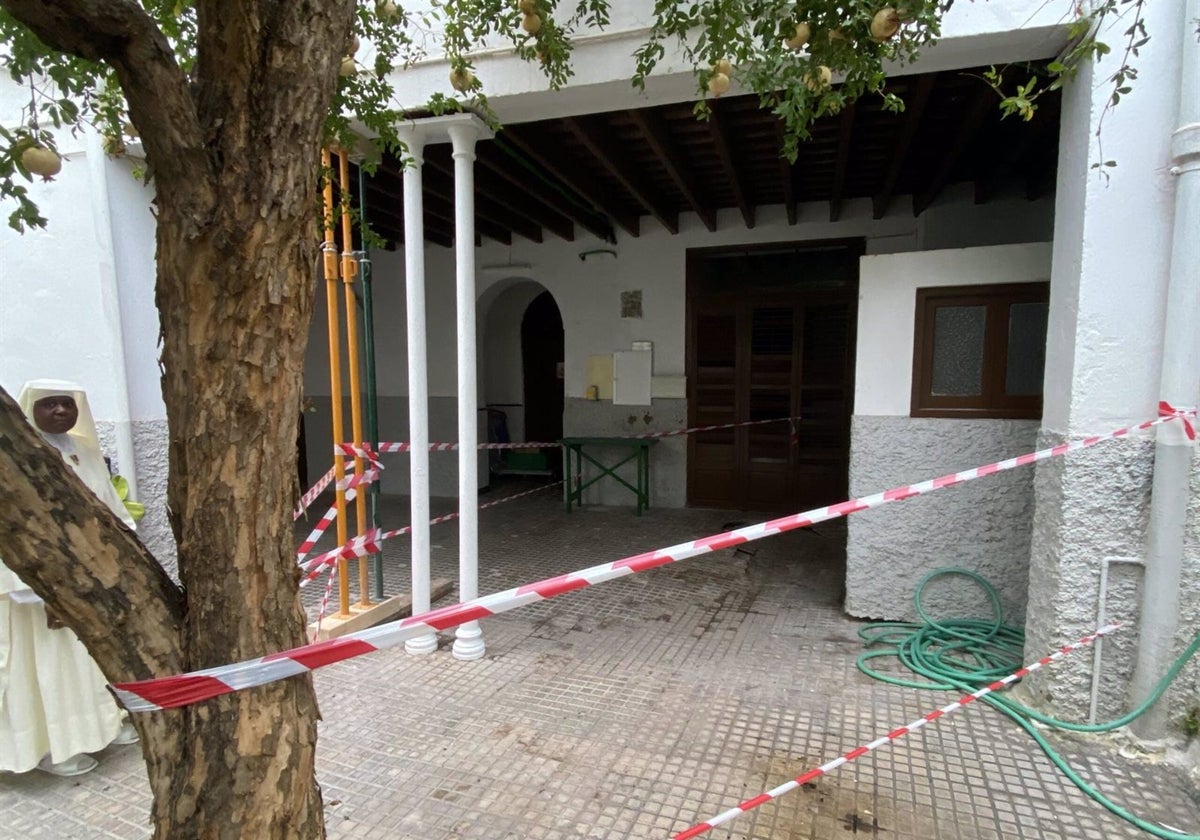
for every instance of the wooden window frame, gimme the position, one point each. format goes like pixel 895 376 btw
pixel 993 402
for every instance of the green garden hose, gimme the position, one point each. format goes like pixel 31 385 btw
pixel 967 654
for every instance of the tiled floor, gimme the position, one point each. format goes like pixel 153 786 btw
pixel 636 708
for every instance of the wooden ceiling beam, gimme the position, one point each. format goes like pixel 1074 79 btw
pixel 571 177
pixel 439 222
pixel 787 176
pixel 444 209
pixel 538 191
pixel 914 108
pixel 721 141
pixel 521 204
pixel 440 174
pixel 592 134
pixel 845 137
pixel 657 136
pixel 981 105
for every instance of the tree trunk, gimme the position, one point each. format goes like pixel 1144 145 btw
pixel 235 296
pixel 234 151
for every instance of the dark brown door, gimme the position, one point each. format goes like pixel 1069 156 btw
pixel 770 337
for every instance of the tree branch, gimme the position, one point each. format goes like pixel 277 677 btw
pixel 73 552
pixel 120 34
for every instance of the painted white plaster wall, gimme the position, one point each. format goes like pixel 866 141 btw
pixel 51 324
pixel 887 310
pixel 134 249
pixel 1112 249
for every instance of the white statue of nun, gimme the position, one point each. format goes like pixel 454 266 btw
pixel 54 707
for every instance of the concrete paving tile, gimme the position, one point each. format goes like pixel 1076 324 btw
pixel 636 708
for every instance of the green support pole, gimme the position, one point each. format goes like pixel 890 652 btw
pixel 364 273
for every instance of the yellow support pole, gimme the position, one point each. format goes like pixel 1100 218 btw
pixel 329 251
pixel 349 274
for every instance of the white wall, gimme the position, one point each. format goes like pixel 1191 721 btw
pixel 1112 248
pixel 887 309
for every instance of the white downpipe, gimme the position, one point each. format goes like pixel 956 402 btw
pixel 1179 386
pixel 110 303
pixel 1101 620
pixel 418 384
pixel 468 642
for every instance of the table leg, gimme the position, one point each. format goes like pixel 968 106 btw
pixel 641 495
pixel 567 485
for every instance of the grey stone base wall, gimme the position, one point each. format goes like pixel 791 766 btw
pixel 1185 696
pixel 150 450
pixel 668 457
pixel 1093 506
pixel 983 526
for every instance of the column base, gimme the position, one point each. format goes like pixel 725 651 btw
pixel 421 645
pixel 468 642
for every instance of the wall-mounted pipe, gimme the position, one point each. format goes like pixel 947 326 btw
pixel 1101 620
pixel 1179 386
pixel 110 304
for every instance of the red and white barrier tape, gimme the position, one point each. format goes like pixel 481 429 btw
pixel 719 426
pixel 185 689
pixel 1186 416
pixel 349 485
pixel 894 735
pixel 312 493
pixel 325 601
pixel 351 450
pixel 360 546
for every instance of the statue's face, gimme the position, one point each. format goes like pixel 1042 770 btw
pixel 55 415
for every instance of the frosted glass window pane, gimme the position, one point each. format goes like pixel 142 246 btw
pixel 1026 348
pixel 958 350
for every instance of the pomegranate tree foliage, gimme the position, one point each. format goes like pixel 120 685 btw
pixel 785 51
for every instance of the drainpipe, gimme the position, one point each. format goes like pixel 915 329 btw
pixel 1179 387
pixel 110 303
pixel 368 304
pixel 418 382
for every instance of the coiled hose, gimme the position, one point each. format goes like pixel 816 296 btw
pixel 967 654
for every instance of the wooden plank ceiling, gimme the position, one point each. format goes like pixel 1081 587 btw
pixel 603 173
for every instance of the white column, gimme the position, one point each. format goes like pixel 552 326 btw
pixel 468 642
pixel 418 384
pixel 1104 360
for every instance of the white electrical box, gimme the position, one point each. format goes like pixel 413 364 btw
pixel 631 377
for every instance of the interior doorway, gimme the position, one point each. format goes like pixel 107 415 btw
pixel 542 357
pixel 770 335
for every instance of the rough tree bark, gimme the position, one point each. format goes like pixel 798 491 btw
pixel 233 150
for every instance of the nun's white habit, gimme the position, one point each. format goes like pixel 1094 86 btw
pixel 54 707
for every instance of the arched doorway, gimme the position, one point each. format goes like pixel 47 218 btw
pixel 542 349
pixel 521 354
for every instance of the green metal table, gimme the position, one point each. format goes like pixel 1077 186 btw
pixel 573 451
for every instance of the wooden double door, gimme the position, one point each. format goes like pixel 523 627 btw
pixel 766 351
